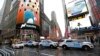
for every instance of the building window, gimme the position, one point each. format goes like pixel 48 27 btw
pixel 29 0
pixel 22 5
pixel 35 3
pixel 36 12
pixel 24 0
pixel 27 4
pixel 25 9
pixel 20 10
pixel 33 6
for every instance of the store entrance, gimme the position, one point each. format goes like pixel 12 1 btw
pixel 29 34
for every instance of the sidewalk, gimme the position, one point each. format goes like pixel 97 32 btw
pixel 97 49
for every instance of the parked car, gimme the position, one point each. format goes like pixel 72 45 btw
pixel 48 43
pixel 31 43
pixel 73 43
pixel 18 45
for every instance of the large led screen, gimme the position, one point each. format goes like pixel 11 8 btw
pixel 80 23
pixel 28 13
pixel 75 7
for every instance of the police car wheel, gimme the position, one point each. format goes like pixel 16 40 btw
pixel 86 48
pixel 64 47
pixel 51 46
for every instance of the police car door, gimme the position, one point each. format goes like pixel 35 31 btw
pixel 69 43
pixel 77 44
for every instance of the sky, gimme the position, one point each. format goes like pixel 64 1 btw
pixel 1 3
pixel 55 5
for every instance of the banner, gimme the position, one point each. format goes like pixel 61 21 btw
pixel 28 13
pixel 75 7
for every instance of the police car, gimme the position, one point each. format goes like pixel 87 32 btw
pixel 48 43
pixel 74 43
pixel 18 45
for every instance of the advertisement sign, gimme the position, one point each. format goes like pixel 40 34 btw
pixel 75 7
pixel 80 23
pixel 28 13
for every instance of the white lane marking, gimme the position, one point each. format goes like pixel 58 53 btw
pixel 47 54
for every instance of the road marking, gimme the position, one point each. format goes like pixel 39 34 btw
pixel 40 53
pixel 47 54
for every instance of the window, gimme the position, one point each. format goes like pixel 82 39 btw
pixel 22 5
pixel 35 3
pixel 19 10
pixel 29 0
pixel 33 6
pixel 24 0
pixel 36 12
pixel 27 4
pixel 48 41
pixel 25 9
pixel 69 41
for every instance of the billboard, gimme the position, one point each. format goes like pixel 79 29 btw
pixel 75 7
pixel 80 23
pixel 28 13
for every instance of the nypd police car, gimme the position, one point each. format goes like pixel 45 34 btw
pixel 73 43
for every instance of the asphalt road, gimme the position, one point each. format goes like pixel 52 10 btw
pixel 26 51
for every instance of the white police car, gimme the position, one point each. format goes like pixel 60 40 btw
pixel 48 43
pixel 18 45
pixel 73 43
pixel 31 43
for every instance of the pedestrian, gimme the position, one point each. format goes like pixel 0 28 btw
pixel 10 43
pixel 92 40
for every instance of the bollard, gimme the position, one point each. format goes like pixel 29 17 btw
pixel 59 51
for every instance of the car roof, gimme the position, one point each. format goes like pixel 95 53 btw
pixel 69 39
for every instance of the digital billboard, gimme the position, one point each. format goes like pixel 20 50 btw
pixel 75 7
pixel 28 13
pixel 80 23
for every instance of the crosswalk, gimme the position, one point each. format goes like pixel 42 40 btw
pixel 7 52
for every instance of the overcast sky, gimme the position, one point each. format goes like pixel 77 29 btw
pixel 55 5
pixel 1 3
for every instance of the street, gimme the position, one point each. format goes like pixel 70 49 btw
pixel 26 51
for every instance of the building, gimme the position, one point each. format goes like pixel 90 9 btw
pixel 95 10
pixel 80 19
pixel 8 30
pixel 28 19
